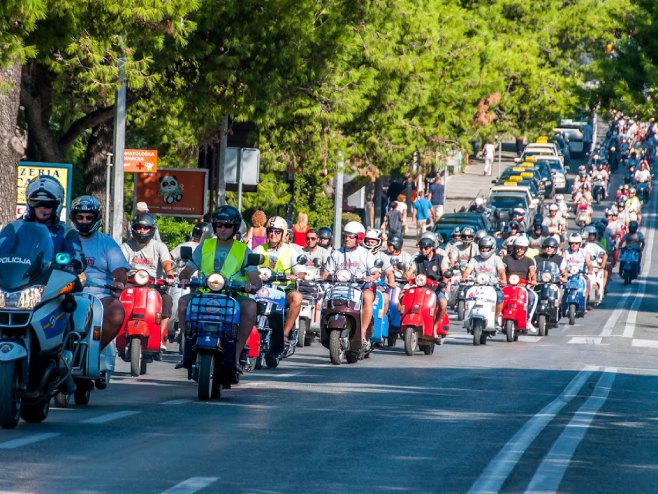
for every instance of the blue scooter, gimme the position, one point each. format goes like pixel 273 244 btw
pixel 573 300
pixel 379 319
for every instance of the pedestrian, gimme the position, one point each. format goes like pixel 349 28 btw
pixel 256 234
pixel 437 197
pixel 588 134
pixel 488 152
pixel 422 213
pixel 300 229
pixel 402 207
pixel 393 219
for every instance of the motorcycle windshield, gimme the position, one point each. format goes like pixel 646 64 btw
pixel 26 252
pixel 548 267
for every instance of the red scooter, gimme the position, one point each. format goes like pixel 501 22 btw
pixel 417 322
pixel 515 307
pixel 140 339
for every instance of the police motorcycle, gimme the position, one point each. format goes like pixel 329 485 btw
pixel 573 298
pixel 38 337
pixel 312 290
pixel 341 318
pixel 547 315
pixel 480 310
pixel 212 320
pixel 271 316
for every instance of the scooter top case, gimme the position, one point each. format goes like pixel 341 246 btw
pixel 88 322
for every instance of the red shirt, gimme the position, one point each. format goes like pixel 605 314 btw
pixel 299 238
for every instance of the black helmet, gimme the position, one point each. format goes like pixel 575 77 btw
pixel 396 241
pixel 144 219
pixel 515 224
pixel 550 242
pixel 201 231
pixel 325 232
pixel 227 214
pixel 86 204
pixel 632 226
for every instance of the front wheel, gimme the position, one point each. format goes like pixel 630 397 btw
pixel 336 351
pixel 541 325
pixel 82 392
pixel 135 356
pixel 477 332
pixel 61 400
pixel 572 314
pixel 461 309
pixel 627 277
pixel 509 330
pixel 410 341
pixel 272 361
pixel 304 325
pixel 10 395
pixel 206 362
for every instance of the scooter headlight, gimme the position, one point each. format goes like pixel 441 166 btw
pixel 215 282
pixel 574 270
pixel 546 277
pixel 263 293
pixel 421 280
pixel 343 275
pixel 482 279
pixel 265 273
pixel 141 277
pixel 514 279
pixel 22 299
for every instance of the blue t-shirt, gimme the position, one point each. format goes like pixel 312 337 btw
pixel 438 192
pixel 423 206
pixel 103 256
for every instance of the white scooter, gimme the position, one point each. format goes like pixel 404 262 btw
pixel 480 309
pixel 596 282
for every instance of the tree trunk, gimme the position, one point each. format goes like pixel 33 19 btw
pixel 11 146
pixel 99 145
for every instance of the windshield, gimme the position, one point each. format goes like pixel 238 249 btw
pixel 548 266
pixel 508 202
pixel 554 164
pixel 26 251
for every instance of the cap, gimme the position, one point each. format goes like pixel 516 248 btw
pixel 141 206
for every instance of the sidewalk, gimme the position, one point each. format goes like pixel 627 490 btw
pixel 463 188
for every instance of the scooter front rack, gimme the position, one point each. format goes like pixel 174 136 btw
pixel 208 308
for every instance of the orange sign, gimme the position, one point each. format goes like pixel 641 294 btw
pixel 173 192
pixel 140 160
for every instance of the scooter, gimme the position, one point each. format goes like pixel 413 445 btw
pixel 596 281
pixel 419 324
pixel 394 315
pixel 212 320
pixel 140 339
pixel 270 319
pixel 37 332
pixel 583 215
pixel 547 314
pixel 515 307
pixel 173 329
pixel 598 190
pixel 480 310
pixel 629 264
pixel 309 315
pixel 642 189
pixel 573 299
pixel 379 319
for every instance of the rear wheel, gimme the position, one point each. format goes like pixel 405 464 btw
pixel 82 392
pixel 304 325
pixel 10 395
pixel 336 351
pixel 271 361
pixel 541 325
pixel 477 332
pixel 509 330
pixel 61 400
pixel 461 309
pixel 392 339
pixel 410 341
pixel 627 277
pixel 428 349
pixel 135 356
pixel 572 314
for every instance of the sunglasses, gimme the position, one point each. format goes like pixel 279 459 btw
pixel 274 231
pixel 311 238
pixel 84 217
pixel 222 224
pixel 349 235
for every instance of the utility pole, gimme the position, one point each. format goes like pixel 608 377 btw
pixel 338 200
pixel 221 167
pixel 119 146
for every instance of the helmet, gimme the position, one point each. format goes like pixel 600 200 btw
pixel 456 233
pixel 489 243
pixel 228 214
pixel 515 225
pixel 277 223
pixel 480 234
pixel 373 234
pixel 86 204
pixel 45 191
pixel 553 207
pixel 590 230
pixel 632 226
pixel 575 238
pixel 467 235
pixel 201 231
pixel 632 190
pixel 429 236
pixel 521 241
pixel 559 198
pixel 396 241
pixel 144 219
pixel 325 232
pixel 479 201
pixel 550 242
pixel 582 168
pixel 355 228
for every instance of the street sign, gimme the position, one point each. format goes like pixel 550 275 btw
pixel 173 192
pixel 140 160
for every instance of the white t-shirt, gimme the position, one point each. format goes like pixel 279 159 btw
pixel 642 175
pixel 490 266
pixel 149 257
pixel 359 261
pixel 594 250
pixel 574 259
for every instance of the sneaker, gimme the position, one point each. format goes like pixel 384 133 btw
pixel 179 364
pixel 163 347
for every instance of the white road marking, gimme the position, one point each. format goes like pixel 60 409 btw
pixel 586 340
pixel 551 471
pixel 102 419
pixel 191 485
pixel 289 374
pixel 176 402
pixel 530 338
pixel 644 343
pixel 500 467
pixel 24 441
pixel 616 314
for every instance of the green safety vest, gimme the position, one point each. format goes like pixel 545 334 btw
pixel 282 264
pixel 232 266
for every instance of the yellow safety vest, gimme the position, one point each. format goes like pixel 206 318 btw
pixel 232 266
pixel 282 264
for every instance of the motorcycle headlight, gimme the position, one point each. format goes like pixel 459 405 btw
pixel 22 299
pixel 141 277
pixel 546 277
pixel 514 279
pixel 215 282
pixel 421 280
pixel 343 275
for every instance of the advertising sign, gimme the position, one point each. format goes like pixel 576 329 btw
pixel 28 171
pixel 173 192
pixel 140 160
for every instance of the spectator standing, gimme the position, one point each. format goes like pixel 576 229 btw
pixel 256 234
pixel 402 207
pixel 300 229
pixel 488 153
pixel 422 213
pixel 393 219
pixel 588 133
pixel 437 197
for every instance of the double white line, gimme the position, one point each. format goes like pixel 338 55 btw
pixel 548 476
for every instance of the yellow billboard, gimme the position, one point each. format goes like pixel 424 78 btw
pixel 28 171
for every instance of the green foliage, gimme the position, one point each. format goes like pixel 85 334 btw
pixel 347 217
pixel 174 231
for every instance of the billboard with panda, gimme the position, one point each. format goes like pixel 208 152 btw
pixel 173 192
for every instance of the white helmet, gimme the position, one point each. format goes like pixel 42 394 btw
pixel 575 238
pixel 355 228
pixel 553 207
pixel 559 198
pixel 278 223
pixel 373 234
pixel 521 241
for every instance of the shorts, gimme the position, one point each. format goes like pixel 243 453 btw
pixel 438 209
pixel 167 305
pixel 499 295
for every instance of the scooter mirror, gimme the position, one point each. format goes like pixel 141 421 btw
pixel 379 263
pixel 316 262
pixel 186 252
pixel 400 265
pixel 302 259
pixel 253 259
pixel 447 273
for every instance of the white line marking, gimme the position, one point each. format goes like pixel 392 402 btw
pixel 191 485
pixel 616 314
pixel 289 374
pixel 498 469
pixel 176 402
pixel 551 471
pixel 585 340
pixel 644 343
pixel 24 441
pixel 529 338
pixel 102 419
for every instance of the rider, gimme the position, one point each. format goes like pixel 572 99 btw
pixel 281 257
pixel 227 256
pixel 200 232
pixel 432 265
pixel 106 264
pixel 372 241
pixel 144 252
pixel 465 250
pixel 596 251
pixel 549 254
pixel 325 236
pixel 576 257
pixel 525 268
pixel 402 258
pixel 634 206
pixel 455 238
pixel 491 265
pixel 634 240
pixel 361 264
pixel 314 251
pixel 45 198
